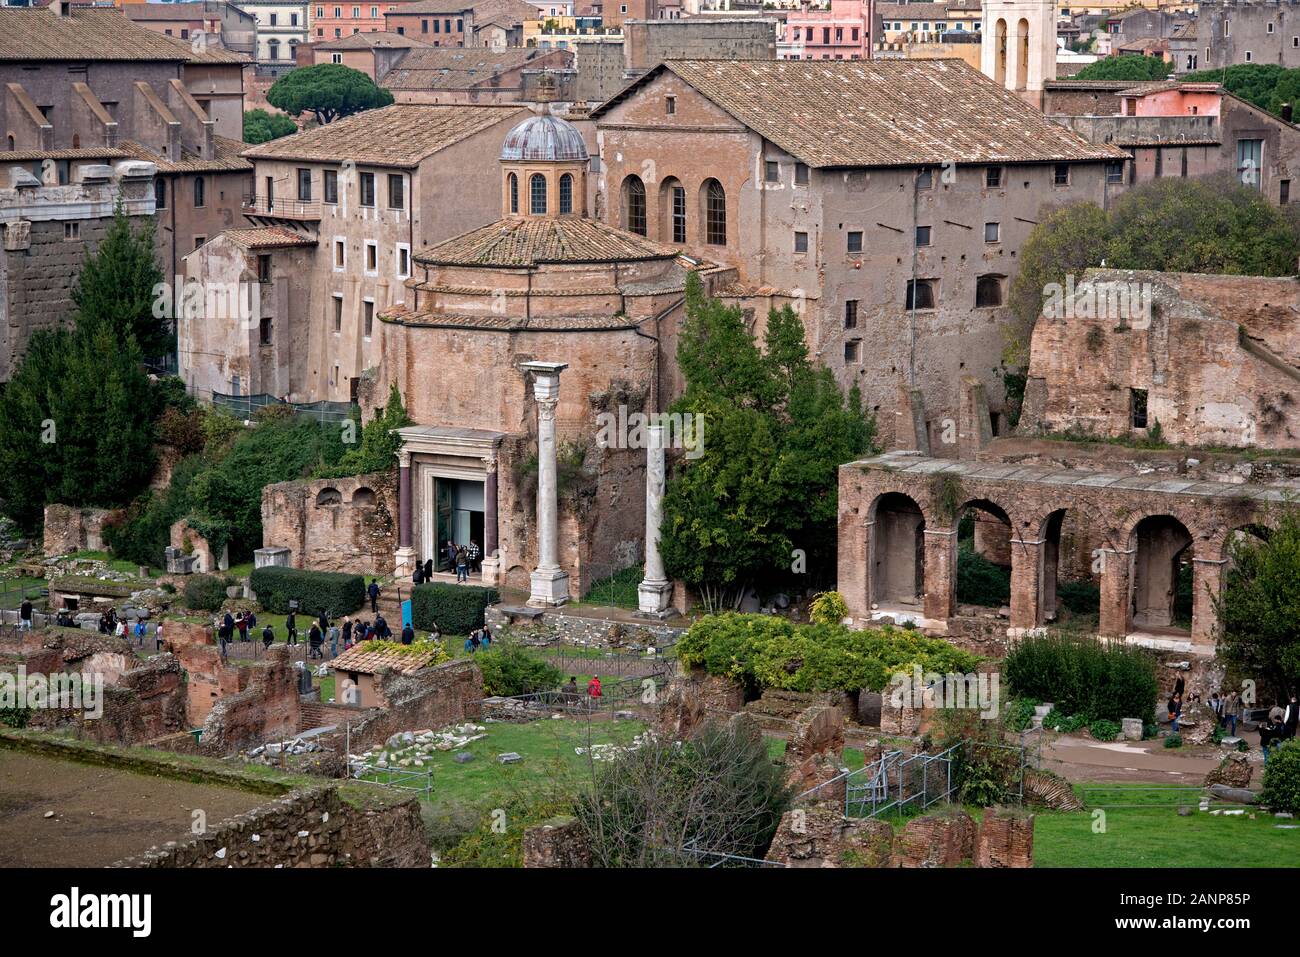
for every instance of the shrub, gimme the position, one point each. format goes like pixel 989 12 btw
pixel 457 609
pixel 206 592
pixel 1282 779
pixel 338 593
pixel 509 670
pixel 1084 677
pixel 829 608
pixel 1021 713
pixel 1081 597
pixel 1104 730
pixel 980 581
pixel 1058 720
pixel 488 845
pixel 1174 741
pixel 764 651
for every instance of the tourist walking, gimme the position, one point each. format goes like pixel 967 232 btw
pixel 474 556
pixel 428 569
pixel 157 637
pixel 314 641
pixel 242 624
pixel 1175 711
pixel 334 641
pixel 570 691
pixel 450 551
pixel 373 592
pixel 1289 718
pixel 408 634
pixel 462 564
pixel 25 616
pixel 417 578
pixel 268 636
pixel 594 693
pixel 1231 707
pixel 382 630
pixel 473 640
pixel 347 633
pixel 291 627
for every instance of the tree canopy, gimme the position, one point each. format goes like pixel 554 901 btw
pixel 757 504
pixel 119 284
pixel 1213 225
pixel 1259 608
pixel 1128 67
pixel 1267 85
pixel 261 126
pixel 329 91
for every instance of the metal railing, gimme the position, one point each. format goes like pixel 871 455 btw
pixel 899 783
pixel 419 780
pixel 281 208
pixel 625 695
pixel 244 406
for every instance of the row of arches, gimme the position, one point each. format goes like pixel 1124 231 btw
pixel 538 193
pixel 1152 574
pixel 671 218
pixel 329 496
pixel 1021 51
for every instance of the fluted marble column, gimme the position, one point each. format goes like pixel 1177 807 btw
pixel 491 547
pixel 550 583
pixel 405 557
pixel 654 594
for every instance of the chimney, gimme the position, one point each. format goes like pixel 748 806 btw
pixel 61 8
pixel 1286 112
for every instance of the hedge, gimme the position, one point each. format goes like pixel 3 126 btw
pixel 457 609
pixel 765 651
pixel 338 593
pixel 1084 677
pixel 206 592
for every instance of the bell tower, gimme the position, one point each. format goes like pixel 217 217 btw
pixel 1018 46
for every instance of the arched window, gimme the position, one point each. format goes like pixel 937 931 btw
pixel 672 211
pixel 634 215
pixel 329 496
pixel 537 194
pixel 988 292
pixel 715 213
pixel 363 497
pixel 566 194
pixel 514 193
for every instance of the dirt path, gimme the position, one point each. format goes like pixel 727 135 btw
pixel 1082 759
pixel 100 815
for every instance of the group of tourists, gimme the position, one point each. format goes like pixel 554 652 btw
pixel 1279 727
pixel 111 624
pixel 463 558
pixel 479 638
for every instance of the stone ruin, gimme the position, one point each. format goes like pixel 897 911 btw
pixel 1234 771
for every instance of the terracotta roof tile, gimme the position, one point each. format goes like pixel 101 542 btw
pixel 508 13
pixel 837 113
pixel 400 135
pixel 268 237
pixel 226 158
pixel 455 68
pixel 83 153
pixel 360 658
pixel 369 41
pixel 86 33
pixel 527 242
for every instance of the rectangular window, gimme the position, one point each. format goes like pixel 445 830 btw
pixel 368 317
pixel 923 235
pixel 200 192
pixel 367 189
pixel 331 186
pixel 264 331
pixel 992 232
pixel 304 185
pixel 1284 192
pixel 800 174
pixel 263 268
pixel 1160 162
pixel 403 261
pixel 852 351
pixel 73 231
pixel 850 314
pixel 1115 172
pixel 670 105
pixel 772 171
pixel 679 214
pixel 801 242
pixel 372 256
pixel 919 295
pixel 396 191
pixel 855 242
pixel 924 179
pixel 338 313
pixel 160 193
pixel 340 254
pixel 993 177
pixel 1061 174
pixel 1138 407
pixel 1250 154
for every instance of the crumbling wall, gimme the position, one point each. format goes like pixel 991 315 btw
pixel 69 529
pixel 338 524
pixel 1006 839
pixel 435 697
pixel 268 707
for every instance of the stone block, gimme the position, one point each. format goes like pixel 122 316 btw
pixel 1131 729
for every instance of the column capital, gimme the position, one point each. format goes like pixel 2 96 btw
pixel 489 464
pixel 546 378
pixel 403 459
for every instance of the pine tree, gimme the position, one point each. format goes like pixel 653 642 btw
pixel 119 283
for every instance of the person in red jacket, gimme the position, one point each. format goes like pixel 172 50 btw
pixel 593 691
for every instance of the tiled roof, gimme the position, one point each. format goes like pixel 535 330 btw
pixel 267 237
pixel 400 135
pixel 86 33
pixel 168 11
pixel 913 11
pixel 526 242
pixel 226 158
pixel 369 41
pixel 440 320
pixel 454 68
pixel 507 13
pixel 211 53
pixel 837 113
pixel 430 6
pixel 83 153
pixel 1184 31
pixel 360 658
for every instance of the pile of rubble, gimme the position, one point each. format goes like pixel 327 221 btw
pixel 608 752
pixel 410 749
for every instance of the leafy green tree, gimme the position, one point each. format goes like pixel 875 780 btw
pixel 765 482
pixel 118 285
pixel 379 445
pixel 1259 607
pixel 1130 67
pixel 76 423
pixel 1211 225
pixel 1267 85
pixel 329 91
pixel 261 126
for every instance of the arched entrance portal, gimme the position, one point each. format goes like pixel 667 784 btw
pixel 897 551
pixel 1162 574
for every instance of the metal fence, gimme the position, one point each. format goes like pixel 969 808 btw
pixel 617 696
pixel 419 780
pixel 578 660
pixel 900 783
pixel 244 407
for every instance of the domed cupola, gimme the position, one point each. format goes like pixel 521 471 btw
pixel 544 169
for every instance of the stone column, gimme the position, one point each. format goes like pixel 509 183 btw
pixel 1026 585
pixel 1116 591
pixel 550 583
pixel 491 553
pixel 654 594
pixel 1207 583
pixel 940 573
pixel 853 580
pixel 404 560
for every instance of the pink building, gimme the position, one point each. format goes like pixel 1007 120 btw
pixel 842 32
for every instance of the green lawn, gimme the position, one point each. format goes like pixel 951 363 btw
pixel 1157 836
pixel 11 591
pixel 547 747
pixel 852 757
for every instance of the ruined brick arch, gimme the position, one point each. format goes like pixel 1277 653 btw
pixel 896 557
pixel 328 496
pixel 1217 547
pixel 364 497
